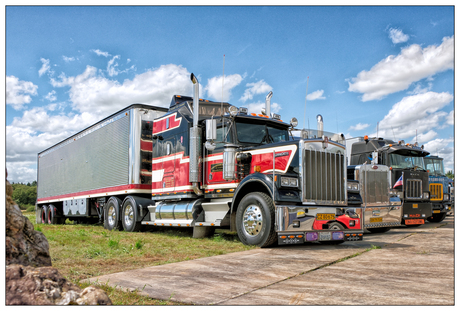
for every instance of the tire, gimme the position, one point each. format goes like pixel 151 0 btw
pixel 51 215
pixel 44 214
pixel 437 217
pixel 112 214
pixel 334 226
pixel 378 230
pixel 255 220
pixel 129 215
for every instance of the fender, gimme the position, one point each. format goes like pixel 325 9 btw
pixel 262 181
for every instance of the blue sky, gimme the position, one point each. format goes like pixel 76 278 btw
pixel 68 67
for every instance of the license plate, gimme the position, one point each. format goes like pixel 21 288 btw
pixel 325 216
pixel 376 219
pixel 415 221
pixel 436 211
pixel 325 236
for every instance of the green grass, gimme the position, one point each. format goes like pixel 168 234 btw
pixel 85 251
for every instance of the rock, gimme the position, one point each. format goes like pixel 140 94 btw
pixel 27 285
pixel 30 278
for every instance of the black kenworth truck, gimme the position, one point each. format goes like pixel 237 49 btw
pixel 409 180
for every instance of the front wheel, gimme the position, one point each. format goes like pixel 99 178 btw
pixel 255 220
pixel 437 217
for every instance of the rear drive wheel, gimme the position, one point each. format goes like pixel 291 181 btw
pixel 129 215
pixel 111 214
pixel 51 215
pixel 255 220
pixel 437 217
pixel 44 214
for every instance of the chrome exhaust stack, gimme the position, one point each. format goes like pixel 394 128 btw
pixel 195 140
pixel 319 119
pixel 267 104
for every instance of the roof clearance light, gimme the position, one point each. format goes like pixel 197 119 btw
pixel 294 122
pixel 366 138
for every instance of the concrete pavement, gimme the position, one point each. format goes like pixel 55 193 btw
pixel 405 266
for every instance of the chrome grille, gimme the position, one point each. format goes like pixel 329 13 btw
pixel 374 186
pixel 436 192
pixel 414 189
pixel 324 179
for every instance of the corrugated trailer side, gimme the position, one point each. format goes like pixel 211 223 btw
pixel 109 158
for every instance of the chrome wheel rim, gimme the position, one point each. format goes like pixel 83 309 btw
pixel 129 215
pixel 252 220
pixel 111 216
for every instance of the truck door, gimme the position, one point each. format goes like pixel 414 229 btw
pixel 168 163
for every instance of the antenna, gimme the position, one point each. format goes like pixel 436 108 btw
pixel 305 110
pixel 377 130
pixel 416 138
pixel 223 77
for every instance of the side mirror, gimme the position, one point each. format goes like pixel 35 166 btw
pixel 211 134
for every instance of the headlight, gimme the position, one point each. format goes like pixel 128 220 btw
pixel 353 186
pixel 289 182
pixel 446 197
pixel 426 195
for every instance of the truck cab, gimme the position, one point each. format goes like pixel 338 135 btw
pixel 439 188
pixel 408 178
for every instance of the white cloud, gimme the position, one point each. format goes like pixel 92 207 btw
pixel 101 53
pixel 260 87
pixel 450 118
pixel 397 36
pixel 51 96
pixel 18 93
pixel 419 113
pixel 112 66
pixel 68 59
pixel 316 95
pixel 45 67
pixel 424 137
pixel 214 88
pixel 397 73
pixel 90 92
pixel 358 127
pixel 23 172
pixel 257 107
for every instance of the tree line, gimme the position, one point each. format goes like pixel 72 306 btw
pixel 25 195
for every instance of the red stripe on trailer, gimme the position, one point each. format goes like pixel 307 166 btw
pixel 97 191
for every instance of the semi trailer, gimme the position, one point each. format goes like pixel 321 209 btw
pixel 205 165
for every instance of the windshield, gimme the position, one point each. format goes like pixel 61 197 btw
pixel 435 166
pixel 260 133
pixel 404 161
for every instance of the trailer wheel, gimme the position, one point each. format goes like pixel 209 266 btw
pixel 129 215
pixel 437 217
pixel 255 220
pixel 51 215
pixel 334 226
pixel 111 214
pixel 44 214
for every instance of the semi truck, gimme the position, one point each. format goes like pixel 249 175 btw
pixel 205 165
pixel 381 205
pixel 439 188
pixel 408 178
